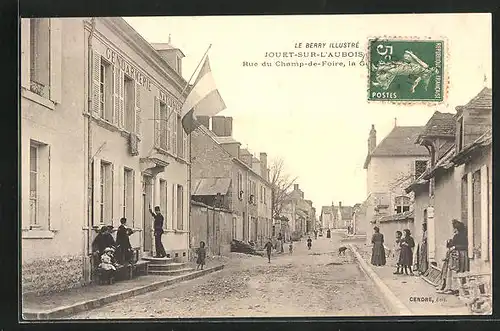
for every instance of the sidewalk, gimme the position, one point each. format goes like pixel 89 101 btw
pixel 418 297
pixel 59 305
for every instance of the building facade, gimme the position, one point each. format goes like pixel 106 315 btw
pixel 298 211
pixel 391 165
pixel 244 184
pixel 102 140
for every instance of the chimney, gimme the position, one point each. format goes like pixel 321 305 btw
pixel 372 139
pixel 218 126
pixel 295 187
pixel 204 120
pixel 395 121
pixel 340 204
pixel 263 165
pixel 228 126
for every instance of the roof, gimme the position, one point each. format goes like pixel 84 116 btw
pixel 440 124
pixel 444 163
pixel 226 140
pixel 301 213
pixel 326 210
pixel 211 186
pixel 407 215
pixel 346 212
pixel 483 141
pixel 399 142
pixel 166 47
pixel 481 101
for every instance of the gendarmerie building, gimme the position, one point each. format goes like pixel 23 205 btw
pixel 101 139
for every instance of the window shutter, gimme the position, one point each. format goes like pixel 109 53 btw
pixel 185 145
pixel 25 52
pixel 54 222
pixel 96 79
pixel 157 122
pixel 174 206
pixel 118 96
pixel 55 59
pixel 470 215
pixel 97 190
pixel 173 132
pixel 138 109
pixel 168 125
pixel 120 184
pixel 484 214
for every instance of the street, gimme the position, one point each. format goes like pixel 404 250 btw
pixel 314 282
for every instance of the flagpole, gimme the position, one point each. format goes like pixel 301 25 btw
pixel 190 78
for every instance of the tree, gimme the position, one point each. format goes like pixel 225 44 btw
pixel 281 183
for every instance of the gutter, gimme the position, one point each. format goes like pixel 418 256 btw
pixel 90 167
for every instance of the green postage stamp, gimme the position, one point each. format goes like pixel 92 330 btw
pixel 405 70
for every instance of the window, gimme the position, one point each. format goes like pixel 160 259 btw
pixel 128 195
pixel 402 204
pixel 265 195
pixel 180 207
pixel 240 185
pixel 180 137
pixel 163 198
pixel 179 65
pixel 40 56
pixel 476 212
pixel 163 126
pixel 106 194
pixel 233 230
pixel 34 185
pixel 129 99
pixel 173 130
pixel 105 91
pixel 420 167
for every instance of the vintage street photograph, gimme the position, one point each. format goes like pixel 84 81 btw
pixel 255 166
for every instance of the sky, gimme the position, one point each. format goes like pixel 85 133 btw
pixel 317 119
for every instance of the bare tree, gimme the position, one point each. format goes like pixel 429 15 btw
pixel 281 183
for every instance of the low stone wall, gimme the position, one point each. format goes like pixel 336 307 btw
pixel 52 275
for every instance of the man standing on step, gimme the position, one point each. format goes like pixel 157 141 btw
pixel 158 228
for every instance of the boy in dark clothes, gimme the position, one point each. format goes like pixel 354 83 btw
pixel 201 252
pixel 309 243
pixel 268 247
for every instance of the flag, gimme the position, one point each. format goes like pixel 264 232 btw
pixel 203 100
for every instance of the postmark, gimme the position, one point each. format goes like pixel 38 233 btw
pixel 406 70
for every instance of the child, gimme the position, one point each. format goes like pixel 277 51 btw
pixel 396 252
pixel 268 247
pixel 202 254
pixel 290 247
pixel 309 243
pixel 106 266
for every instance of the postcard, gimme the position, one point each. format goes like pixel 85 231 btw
pixel 256 166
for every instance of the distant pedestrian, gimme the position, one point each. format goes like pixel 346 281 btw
pixel 309 243
pixel 201 253
pixel 268 247
pixel 406 255
pixel 378 251
pixel 290 248
pixel 328 233
pixel 396 251
pixel 158 231
pixel 315 234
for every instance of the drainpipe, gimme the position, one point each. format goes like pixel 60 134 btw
pixel 90 169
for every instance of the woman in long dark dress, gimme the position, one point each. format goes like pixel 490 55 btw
pixel 378 251
pixel 457 258
pixel 406 255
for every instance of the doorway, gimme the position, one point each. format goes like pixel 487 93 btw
pixel 146 216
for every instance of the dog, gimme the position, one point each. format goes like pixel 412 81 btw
pixel 342 250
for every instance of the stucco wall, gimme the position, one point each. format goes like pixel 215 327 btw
pixel 62 129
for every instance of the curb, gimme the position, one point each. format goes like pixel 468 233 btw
pixel 63 311
pixel 393 303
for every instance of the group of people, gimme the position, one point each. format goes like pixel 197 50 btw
pixel 268 247
pixel 112 253
pixel 456 260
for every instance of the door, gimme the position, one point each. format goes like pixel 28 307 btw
pixel 245 227
pixel 147 219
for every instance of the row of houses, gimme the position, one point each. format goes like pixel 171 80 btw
pixel 336 217
pixel 102 139
pixel 433 174
pixel 298 215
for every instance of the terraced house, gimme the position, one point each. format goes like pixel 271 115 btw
pixel 101 140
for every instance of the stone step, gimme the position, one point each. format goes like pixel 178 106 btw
pixel 169 266
pixel 170 272
pixel 158 260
